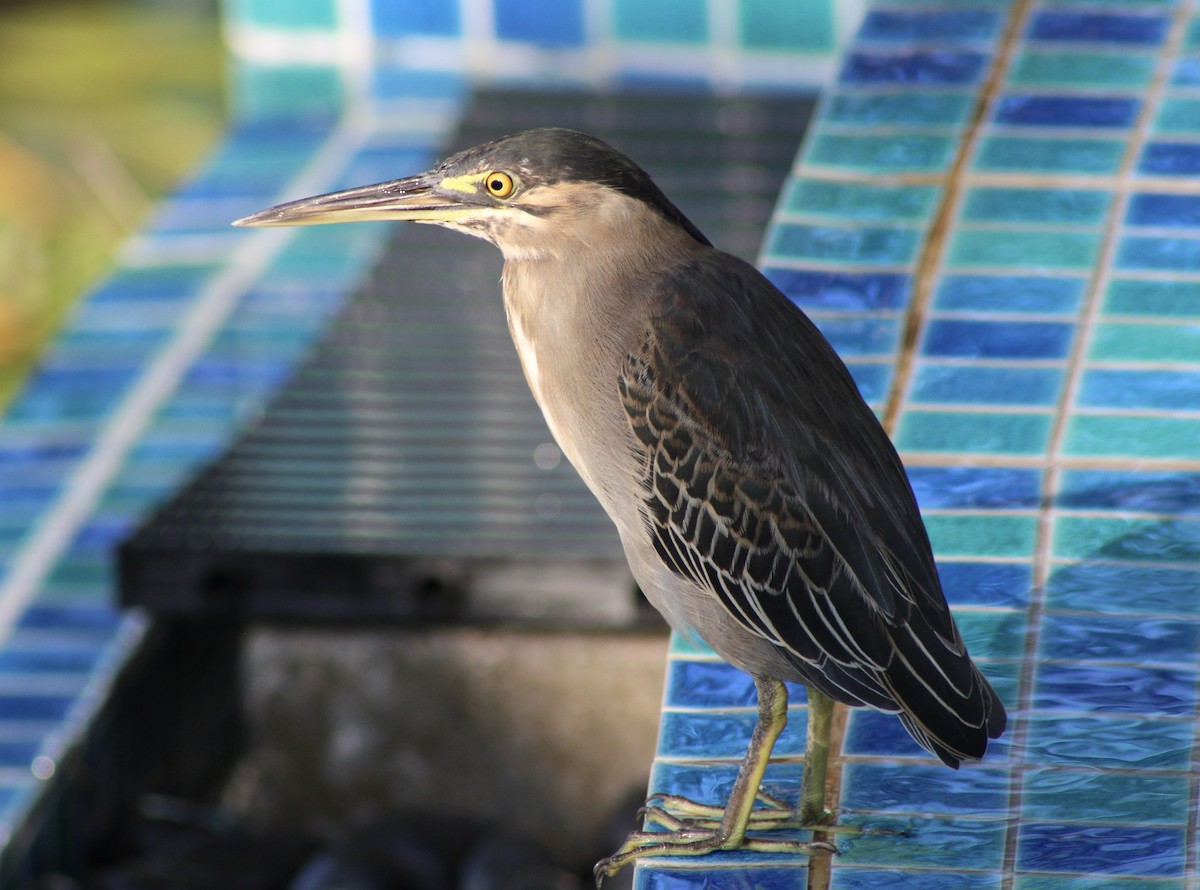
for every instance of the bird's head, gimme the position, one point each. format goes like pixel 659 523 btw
pixel 525 193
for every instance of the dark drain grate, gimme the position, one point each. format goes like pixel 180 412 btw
pixel 405 472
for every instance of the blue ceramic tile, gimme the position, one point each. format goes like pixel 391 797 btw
pixel 402 18
pixel 1147 492
pixel 1158 253
pixel 1164 390
pixel 654 877
pixel 875 733
pixel 991 584
pixel 70 618
pixel 861 335
pixel 935 68
pixel 961 338
pixel 958 384
pixel 903 26
pixel 1105 587
pixel 1065 111
pixel 846 878
pixel 721 735
pixel 18 754
pixel 542 22
pixel 1170 159
pixel 1112 742
pixel 708 684
pixel 925 789
pixel 841 291
pixel 1111 689
pixel 877 245
pixel 940 488
pixel 1119 639
pixel 1088 27
pixel 1092 849
pixel 1187 72
pixel 16 707
pixel 1004 293
pixel 1178 211
pixel 712 782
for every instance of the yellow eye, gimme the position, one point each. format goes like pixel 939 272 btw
pixel 499 184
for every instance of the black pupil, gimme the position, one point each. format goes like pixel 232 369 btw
pixel 496 185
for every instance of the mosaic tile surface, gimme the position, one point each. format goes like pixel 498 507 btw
pixel 1037 359
pixel 994 222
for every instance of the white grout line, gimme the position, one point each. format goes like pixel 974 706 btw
pixel 57 527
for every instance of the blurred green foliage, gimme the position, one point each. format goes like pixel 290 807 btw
pixel 104 106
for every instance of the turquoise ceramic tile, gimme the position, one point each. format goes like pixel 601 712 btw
pixel 1094 435
pixel 865 245
pixel 1145 343
pixel 932 843
pixel 1019 248
pixel 767 25
pixel 995 634
pixel 1031 154
pixel 1177 115
pixel 999 432
pixel 1148 540
pixel 1036 205
pixel 1113 70
pixel 861 201
pixel 284 13
pixel 287 91
pixel 1094 882
pixel 1051 795
pixel 912 109
pixel 921 788
pixel 1156 390
pixel 983 534
pixel 893 153
pixel 671 21
pixel 1164 298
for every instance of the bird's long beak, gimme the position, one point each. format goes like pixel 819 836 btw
pixel 415 198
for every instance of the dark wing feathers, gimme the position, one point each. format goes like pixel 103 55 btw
pixel 770 484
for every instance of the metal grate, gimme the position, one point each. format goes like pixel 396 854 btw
pixel 405 471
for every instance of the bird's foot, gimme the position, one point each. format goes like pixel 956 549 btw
pixel 673 811
pixel 695 829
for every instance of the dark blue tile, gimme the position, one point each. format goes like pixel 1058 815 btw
pixel 722 735
pixel 712 782
pixel 912 68
pixel 708 684
pixel 996 585
pixel 1002 293
pixel 990 385
pixel 960 338
pixel 1145 492
pixel 70 618
pixel 1170 159
pixel 402 18
pixel 917 788
pixel 1101 850
pixel 939 488
pixel 1112 689
pixel 873 732
pixel 655 878
pixel 1163 210
pixel 1119 639
pixel 1090 27
pixel 241 372
pixel 37 708
pixel 543 22
pixel 31 658
pixel 1066 111
pixel 1104 587
pixel 942 25
pixel 171 284
pixel 1159 254
pixel 18 754
pixel 1118 388
pixel 835 291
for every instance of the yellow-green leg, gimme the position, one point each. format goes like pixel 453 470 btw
pixel 812 809
pixel 695 837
